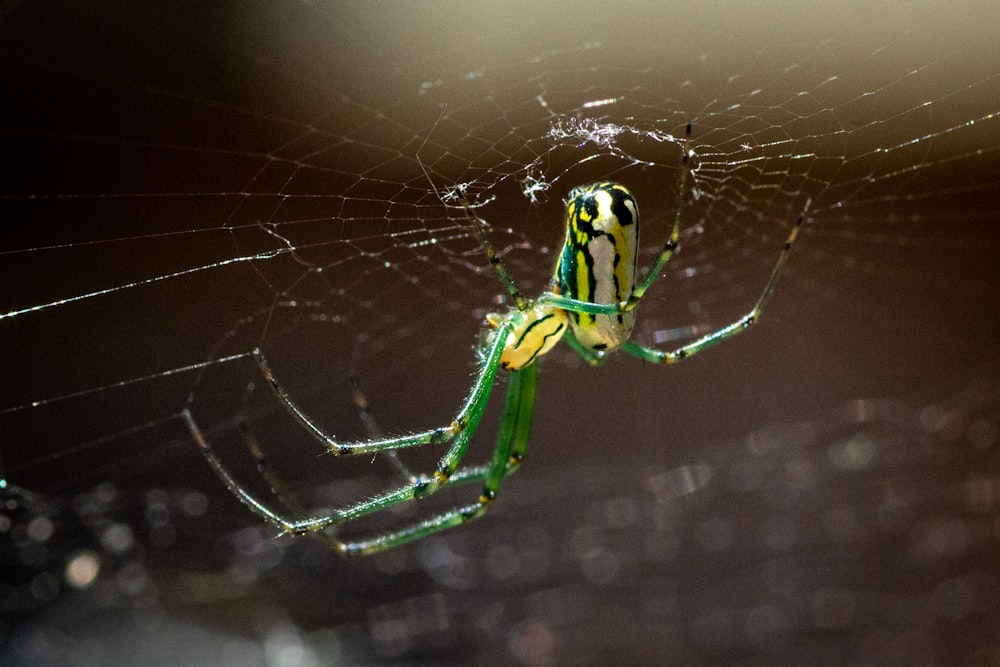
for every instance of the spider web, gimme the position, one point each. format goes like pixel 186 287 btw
pixel 187 185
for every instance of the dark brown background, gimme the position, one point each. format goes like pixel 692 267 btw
pixel 823 489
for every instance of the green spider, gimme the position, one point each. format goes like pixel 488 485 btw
pixel 590 304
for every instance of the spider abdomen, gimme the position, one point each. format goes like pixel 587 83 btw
pixel 598 259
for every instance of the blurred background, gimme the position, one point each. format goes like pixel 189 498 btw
pixel 185 183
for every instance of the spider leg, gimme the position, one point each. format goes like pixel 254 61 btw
pixel 675 233
pixel 479 226
pixel 459 432
pixel 462 475
pixel 299 526
pixel 668 357
pixel 286 496
pixel 459 428
pixel 512 442
pixel 282 490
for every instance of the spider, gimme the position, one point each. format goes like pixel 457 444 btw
pixel 590 303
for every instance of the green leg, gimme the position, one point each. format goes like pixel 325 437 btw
pixel 463 475
pixel 479 227
pixel 462 423
pixel 310 524
pixel 515 426
pixel 461 430
pixel 512 441
pixel 664 357
pixel 281 490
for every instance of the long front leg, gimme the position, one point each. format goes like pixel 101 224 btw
pixel 656 356
pixel 463 422
pixel 464 425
